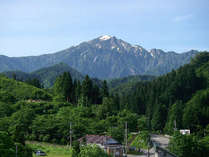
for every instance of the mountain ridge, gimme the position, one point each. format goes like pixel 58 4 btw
pixel 104 59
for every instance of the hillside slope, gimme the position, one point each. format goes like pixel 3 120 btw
pixel 16 90
pixel 46 76
pixel 181 95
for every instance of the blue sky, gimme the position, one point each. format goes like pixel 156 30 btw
pixel 34 27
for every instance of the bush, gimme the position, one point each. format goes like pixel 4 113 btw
pixel 92 151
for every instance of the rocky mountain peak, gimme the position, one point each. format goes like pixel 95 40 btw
pixel 104 57
pixel 105 37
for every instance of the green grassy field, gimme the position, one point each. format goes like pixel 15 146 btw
pixel 51 150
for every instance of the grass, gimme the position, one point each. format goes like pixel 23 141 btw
pixel 140 140
pixel 52 150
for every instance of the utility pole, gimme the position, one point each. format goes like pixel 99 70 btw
pixel 126 138
pixel 16 150
pixel 175 125
pixel 148 144
pixel 71 132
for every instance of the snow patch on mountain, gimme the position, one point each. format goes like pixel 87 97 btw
pixel 105 37
pixel 95 59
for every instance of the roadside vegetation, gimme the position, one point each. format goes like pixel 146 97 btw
pixel 52 150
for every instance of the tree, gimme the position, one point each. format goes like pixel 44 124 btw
pixel 34 82
pixel 5 110
pixel 64 87
pixel 96 98
pixel 174 116
pixel 7 97
pixel 76 148
pixel 116 133
pixel 7 146
pixel 186 146
pixel 196 112
pixel 159 118
pixel 86 91
pixel 142 123
pixel 77 88
pixel 20 122
pixel 130 118
pixel 92 151
pixel 105 90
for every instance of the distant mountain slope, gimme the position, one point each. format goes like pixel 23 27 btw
pixel 104 57
pixel 19 75
pixel 47 76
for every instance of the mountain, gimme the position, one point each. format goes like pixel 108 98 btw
pixel 104 57
pixel 47 76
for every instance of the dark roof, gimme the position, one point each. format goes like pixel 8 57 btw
pixel 97 139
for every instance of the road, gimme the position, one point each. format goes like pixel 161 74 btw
pixel 161 141
pixel 151 152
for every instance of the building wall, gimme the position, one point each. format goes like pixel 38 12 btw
pixel 114 151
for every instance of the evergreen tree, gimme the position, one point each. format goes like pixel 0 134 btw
pixel 105 90
pixel 34 82
pixel 96 99
pixel 77 87
pixel 159 118
pixel 87 88
pixel 64 87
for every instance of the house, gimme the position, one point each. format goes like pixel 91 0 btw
pixel 185 131
pixel 107 143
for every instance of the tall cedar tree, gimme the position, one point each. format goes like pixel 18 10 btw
pixel 63 86
pixel 105 92
pixel 87 88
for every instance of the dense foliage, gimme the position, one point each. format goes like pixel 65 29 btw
pixel 189 145
pixel 8 148
pixel 92 151
pixel 181 96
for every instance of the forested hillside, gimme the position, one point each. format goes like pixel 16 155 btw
pixel 30 113
pixel 176 96
pixel 46 76
pixel 125 84
pixel 16 90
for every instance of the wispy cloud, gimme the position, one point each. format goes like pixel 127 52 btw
pixel 183 18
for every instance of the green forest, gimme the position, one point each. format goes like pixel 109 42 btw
pixel 28 112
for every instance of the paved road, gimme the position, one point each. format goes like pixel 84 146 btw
pixel 161 140
pixel 151 152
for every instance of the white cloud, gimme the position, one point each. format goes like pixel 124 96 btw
pixel 183 18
